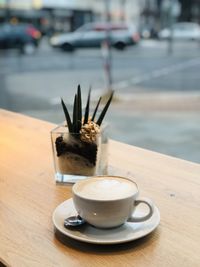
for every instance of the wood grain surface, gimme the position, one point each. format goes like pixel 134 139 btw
pixel 29 195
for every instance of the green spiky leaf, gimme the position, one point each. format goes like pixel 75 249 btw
pixel 87 109
pixel 67 116
pixel 75 115
pixel 103 113
pixel 79 109
pixel 75 124
pixel 95 111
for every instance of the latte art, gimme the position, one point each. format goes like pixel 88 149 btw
pixel 106 188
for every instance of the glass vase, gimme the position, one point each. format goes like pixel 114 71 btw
pixel 75 159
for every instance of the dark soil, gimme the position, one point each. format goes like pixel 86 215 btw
pixel 86 150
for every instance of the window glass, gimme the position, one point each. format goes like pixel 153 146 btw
pixel 151 59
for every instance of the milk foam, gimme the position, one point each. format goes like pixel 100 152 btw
pixel 107 188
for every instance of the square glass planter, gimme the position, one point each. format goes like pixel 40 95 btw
pixel 75 159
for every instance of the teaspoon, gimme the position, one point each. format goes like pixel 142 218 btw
pixel 74 221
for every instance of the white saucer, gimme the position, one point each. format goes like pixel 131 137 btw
pixel 87 233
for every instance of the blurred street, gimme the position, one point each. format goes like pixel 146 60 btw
pixel 157 101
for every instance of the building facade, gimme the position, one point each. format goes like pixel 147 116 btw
pixel 68 15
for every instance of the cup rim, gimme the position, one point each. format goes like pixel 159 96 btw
pixel 104 200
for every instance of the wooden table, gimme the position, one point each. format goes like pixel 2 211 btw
pixel 28 196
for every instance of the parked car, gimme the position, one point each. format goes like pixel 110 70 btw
pixel 93 34
pixel 24 37
pixel 182 31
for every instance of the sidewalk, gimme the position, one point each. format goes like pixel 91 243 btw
pixel 160 101
pixel 165 122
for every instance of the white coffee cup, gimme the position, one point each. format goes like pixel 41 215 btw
pixel 108 201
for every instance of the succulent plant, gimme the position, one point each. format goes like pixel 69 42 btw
pixel 82 149
pixel 78 124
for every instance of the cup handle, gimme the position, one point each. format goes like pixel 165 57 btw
pixel 149 203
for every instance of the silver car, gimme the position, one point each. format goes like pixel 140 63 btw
pixel 94 34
